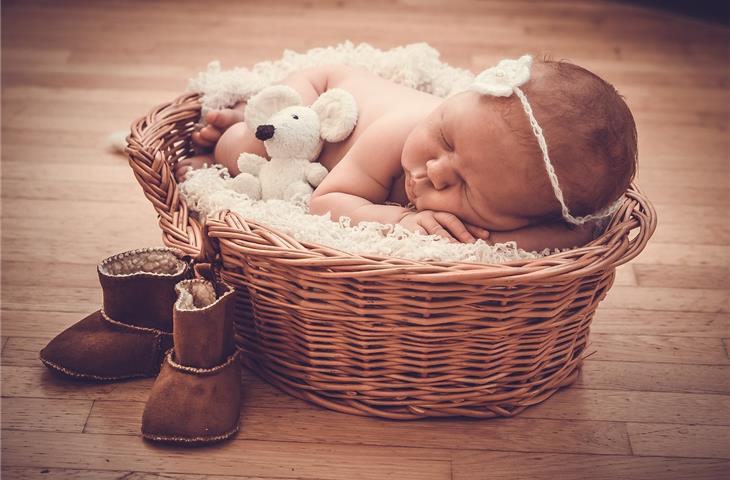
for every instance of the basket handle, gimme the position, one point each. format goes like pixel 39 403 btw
pixel 155 142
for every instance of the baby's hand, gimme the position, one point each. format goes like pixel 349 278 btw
pixel 444 224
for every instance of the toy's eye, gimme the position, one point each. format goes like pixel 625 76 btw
pixel 295 117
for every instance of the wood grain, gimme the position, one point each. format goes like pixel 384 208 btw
pixel 681 440
pixel 484 465
pixel 263 458
pixel 652 400
pixel 316 424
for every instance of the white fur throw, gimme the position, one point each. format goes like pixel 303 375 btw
pixel 417 66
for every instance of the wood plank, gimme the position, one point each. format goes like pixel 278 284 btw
pixel 111 193
pixel 22 273
pixel 109 80
pixel 61 139
pixel 40 324
pixel 36 473
pixel 35 56
pixel 705 233
pixel 625 276
pixel 654 377
pixel 319 425
pixel 42 414
pixel 109 169
pixel 104 236
pixel 673 299
pixel 74 122
pixel 701 441
pixel 40 299
pixel 702 216
pixel 642 407
pixel 79 94
pixel 660 323
pixel 688 177
pixel 684 276
pixel 669 196
pixel 38 382
pixel 646 348
pixel 470 465
pixel 138 215
pixel 272 459
pixel 23 351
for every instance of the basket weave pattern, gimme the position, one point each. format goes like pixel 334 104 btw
pixel 389 337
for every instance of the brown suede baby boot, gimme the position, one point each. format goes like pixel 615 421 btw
pixel 196 397
pixel 129 335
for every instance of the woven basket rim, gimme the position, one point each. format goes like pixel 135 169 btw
pixel 610 249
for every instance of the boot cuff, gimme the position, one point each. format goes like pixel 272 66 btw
pixel 199 294
pixel 158 261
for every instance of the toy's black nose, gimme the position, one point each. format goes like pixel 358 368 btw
pixel 265 132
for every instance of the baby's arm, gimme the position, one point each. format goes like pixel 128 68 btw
pixel 546 235
pixel 363 178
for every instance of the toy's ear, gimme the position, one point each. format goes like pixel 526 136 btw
pixel 267 102
pixel 337 112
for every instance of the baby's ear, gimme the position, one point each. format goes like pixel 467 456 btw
pixel 337 112
pixel 262 106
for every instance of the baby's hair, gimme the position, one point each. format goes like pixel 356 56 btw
pixel 590 132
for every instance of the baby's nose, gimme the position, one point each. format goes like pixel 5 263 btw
pixel 440 174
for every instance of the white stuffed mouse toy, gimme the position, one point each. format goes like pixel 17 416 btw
pixel 293 135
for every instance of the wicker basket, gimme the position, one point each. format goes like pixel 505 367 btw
pixel 388 337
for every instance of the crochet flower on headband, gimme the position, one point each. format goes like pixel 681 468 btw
pixel 503 80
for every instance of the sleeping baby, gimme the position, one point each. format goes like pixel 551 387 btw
pixel 532 152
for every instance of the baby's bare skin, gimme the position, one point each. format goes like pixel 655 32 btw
pixel 410 146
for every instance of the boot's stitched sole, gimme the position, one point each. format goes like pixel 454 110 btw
pixel 189 440
pixel 88 376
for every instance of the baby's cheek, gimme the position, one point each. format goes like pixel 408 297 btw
pixel 414 149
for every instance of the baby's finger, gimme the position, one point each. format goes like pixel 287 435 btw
pixel 224 118
pixel 200 141
pixel 210 134
pixel 435 228
pixel 420 230
pixel 455 226
pixel 211 117
pixel 477 231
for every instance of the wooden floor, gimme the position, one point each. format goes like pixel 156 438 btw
pixel 654 400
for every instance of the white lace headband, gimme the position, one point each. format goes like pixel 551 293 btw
pixel 501 81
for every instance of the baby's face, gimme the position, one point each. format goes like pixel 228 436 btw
pixel 465 159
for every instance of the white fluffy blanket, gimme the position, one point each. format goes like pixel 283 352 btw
pixel 417 66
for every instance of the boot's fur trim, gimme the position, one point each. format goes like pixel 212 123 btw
pixel 88 376
pixel 199 371
pixel 132 327
pixel 157 261
pixel 198 294
pixel 199 439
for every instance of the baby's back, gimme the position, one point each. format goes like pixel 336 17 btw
pixel 375 98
